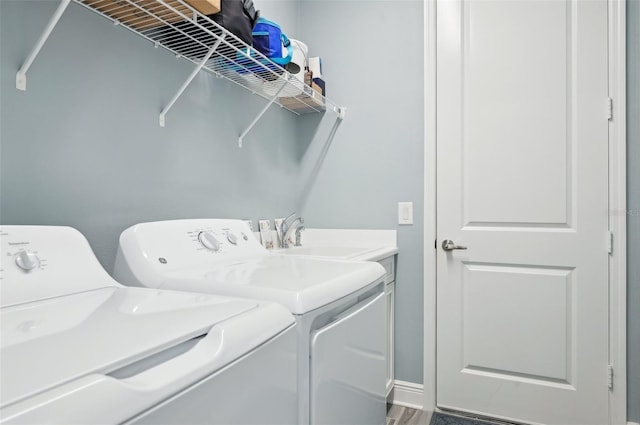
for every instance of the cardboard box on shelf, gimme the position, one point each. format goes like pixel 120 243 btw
pixel 316 87
pixel 314 82
pixel 206 7
pixel 309 101
pixel 144 15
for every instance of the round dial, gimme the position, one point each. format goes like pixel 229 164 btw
pixel 231 237
pixel 27 261
pixel 209 241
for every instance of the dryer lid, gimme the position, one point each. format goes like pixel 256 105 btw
pixel 51 342
pixel 300 284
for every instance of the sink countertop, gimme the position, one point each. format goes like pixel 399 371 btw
pixel 346 244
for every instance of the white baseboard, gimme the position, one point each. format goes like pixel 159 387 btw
pixel 408 394
pixel 632 423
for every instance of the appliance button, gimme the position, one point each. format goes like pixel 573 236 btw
pixel 231 237
pixel 27 261
pixel 209 241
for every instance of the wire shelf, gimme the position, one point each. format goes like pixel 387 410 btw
pixel 179 28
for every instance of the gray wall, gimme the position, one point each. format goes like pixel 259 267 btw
pixel 82 146
pixel 373 63
pixel 633 206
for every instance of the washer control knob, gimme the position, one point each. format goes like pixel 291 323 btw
pixel 27 261
pixel 231 237
pixel 209 241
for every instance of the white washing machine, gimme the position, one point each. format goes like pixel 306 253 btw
pixel 339 305
pixel 79 348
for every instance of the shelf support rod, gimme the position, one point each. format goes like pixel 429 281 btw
pixel 256 119
pixel 21 76
pixel 190 79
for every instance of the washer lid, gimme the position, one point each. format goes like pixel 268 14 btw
pixel 300 284
pixel 51 342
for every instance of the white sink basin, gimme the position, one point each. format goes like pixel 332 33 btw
pixel 343 252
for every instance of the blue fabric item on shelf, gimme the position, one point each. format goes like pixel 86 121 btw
pixel 269 40
pixel 247 61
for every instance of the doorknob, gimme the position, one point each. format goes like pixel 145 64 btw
pixel 449 245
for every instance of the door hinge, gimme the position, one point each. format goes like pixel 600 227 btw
pixel 609 109
pixel 610 377
pixel 609 241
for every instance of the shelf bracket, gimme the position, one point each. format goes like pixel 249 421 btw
pixel 190 79
pixel 21 76
pixel 340 111
pixel 256 119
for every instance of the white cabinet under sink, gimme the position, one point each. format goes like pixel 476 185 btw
pixel 389 291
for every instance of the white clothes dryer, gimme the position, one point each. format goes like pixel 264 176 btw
pixel 338 305
pixel 79 348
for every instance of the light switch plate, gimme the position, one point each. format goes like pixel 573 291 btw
pixel 405 212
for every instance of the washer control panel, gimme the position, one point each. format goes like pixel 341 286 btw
pixel 157 248
pixel 20 256
pixel 44 261
pixel 224 239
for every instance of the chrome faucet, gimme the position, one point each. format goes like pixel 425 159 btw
pixel 288 227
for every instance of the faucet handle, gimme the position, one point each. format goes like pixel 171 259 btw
pixel 286 220
pixel 298 235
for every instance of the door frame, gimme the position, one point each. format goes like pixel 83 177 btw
pixel 617 209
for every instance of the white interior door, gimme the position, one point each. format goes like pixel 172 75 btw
pixel 522 321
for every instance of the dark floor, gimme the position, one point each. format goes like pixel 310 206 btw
pixel 399 415
pixel 448 419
